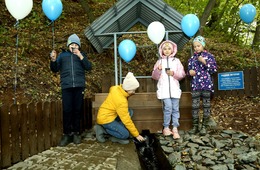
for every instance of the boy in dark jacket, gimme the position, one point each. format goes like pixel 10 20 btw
pixel 72 65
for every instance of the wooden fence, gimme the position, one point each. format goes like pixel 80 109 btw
pixel 148 112
pixel 251 84
pixel 29 129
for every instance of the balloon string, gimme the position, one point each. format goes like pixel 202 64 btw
pixel 16 60
pixel 191 54
pixel 53 35
pixel 247 38
pixel 159 57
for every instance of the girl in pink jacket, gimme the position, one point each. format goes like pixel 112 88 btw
pixel 168 70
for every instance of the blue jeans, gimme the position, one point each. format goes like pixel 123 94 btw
pixel 171 111
pixel 117 128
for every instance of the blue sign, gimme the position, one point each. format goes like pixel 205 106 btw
pixel 231 80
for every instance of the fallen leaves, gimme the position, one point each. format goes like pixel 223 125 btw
pixel 237 113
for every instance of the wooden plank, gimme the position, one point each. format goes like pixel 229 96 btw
pixel 5 135
pixel 39 125
pixel 157 113
pixel 53 123
pixel 24 131
pixel 151 85
pixel 59 125
pixel 143 99
pixel 32 129
pixel 241 93
pixel 82 117
pixel 253 81
pixel 142 88
pixel 47 128
pixel 15 133
pixel 148 111
pixel 247 84
pixel 215 85
pixel 185 124
pixel 87 113
pixel 185 84
pixel 184 112
pixel 98 99
pixel 153 125
pixel 144 114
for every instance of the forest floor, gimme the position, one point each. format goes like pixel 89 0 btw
pixel 241 114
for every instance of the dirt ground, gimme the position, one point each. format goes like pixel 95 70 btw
pixel 238 114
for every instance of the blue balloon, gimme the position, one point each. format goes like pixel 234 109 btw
pixel 52 8
pixel 247 13
pixel 127 50
pixel 190 24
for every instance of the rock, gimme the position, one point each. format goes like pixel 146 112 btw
pixel 218 150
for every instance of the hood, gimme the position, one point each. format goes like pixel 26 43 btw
pixel 173 46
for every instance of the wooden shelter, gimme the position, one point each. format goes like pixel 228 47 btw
pixel 115 22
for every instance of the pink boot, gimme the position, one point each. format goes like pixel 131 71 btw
pixel 175 133
pixel 167 131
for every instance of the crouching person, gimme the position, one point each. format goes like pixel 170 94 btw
pixel 114 116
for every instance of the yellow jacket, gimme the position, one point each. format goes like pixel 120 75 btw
pixel 116 104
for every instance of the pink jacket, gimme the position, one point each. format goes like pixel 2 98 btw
pixel 168 86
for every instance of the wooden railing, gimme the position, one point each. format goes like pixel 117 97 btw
pixel 251 84
pixel 29 129
pixel 148 114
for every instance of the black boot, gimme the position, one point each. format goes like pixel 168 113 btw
pixel 205 121
pixel 195 124
pixel 76 138
pixel 65 140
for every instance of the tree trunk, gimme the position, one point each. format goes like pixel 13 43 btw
pixel 256 41
pixel 87 9
pixel 206 15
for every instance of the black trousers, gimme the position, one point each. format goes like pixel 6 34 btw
pixel 72 101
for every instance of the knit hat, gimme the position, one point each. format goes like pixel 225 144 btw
pixel 169 43
pixel 130 82
pixel 200 39
pixel 73 39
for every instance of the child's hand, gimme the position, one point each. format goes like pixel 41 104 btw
pixel 77 52
pixel 192 72
pixel 170 73
pixel 202 60
pixel 160 67
pixel 53 55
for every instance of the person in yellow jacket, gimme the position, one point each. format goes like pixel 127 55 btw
pixel 114 116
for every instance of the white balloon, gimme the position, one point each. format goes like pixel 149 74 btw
pixel 156 32
pixel 19 9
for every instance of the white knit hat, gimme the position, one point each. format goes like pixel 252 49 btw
pixel 130 82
